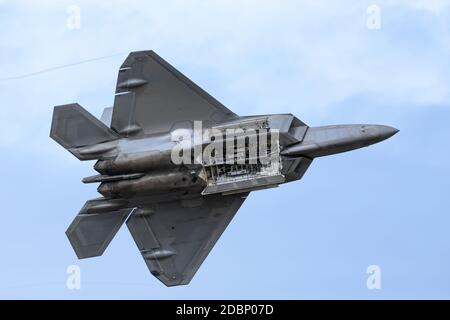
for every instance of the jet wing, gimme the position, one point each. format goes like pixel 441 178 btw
pixel 154 97
pixel 175 237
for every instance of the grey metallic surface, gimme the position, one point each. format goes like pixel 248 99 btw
pixel 107 178
pixel 175 237
pixel 177 212
pixel 147 80
pixel 324 141
pixel 73 126
pixel 90 234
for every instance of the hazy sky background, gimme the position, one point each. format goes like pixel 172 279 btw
pixel 387 205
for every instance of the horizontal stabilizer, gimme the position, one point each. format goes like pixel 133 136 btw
pixel 74 127
pixel 90 233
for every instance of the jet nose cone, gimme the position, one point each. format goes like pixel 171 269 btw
pixel 385 132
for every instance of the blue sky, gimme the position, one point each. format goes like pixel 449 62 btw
pixel 386 205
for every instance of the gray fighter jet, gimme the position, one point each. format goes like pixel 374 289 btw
pixel 175 164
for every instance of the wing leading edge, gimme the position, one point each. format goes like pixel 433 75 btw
pixel 175 237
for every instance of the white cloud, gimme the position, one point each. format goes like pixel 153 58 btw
pixel 255 56
pixel 434 6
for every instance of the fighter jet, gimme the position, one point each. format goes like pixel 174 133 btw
pixel 175 164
